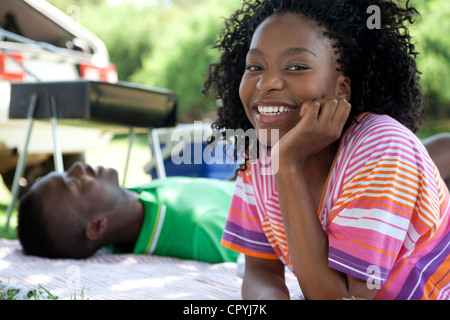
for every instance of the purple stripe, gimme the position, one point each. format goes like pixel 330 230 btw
pixel 247 239
pixel 424 269
pixel 347 264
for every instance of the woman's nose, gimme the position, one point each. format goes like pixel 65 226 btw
pixel 270 81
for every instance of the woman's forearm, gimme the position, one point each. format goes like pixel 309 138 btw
pixel 307 241
pixel 264 280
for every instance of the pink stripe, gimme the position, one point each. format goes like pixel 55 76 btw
pixel 371 239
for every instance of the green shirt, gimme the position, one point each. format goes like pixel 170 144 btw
pixel 185 218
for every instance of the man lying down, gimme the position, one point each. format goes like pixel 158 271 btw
pixel 72 215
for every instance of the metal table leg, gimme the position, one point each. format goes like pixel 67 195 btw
pixel 20 168
pixel 57 153
pixel 130 144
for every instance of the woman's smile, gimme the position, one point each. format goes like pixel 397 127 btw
pixel 272 112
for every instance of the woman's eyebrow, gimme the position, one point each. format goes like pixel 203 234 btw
pixel 294 51
pixel 287 52
pixel 255 51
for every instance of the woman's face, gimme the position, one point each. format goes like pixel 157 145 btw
pixel 289 62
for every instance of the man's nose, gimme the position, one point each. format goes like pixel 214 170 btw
pixel 76 169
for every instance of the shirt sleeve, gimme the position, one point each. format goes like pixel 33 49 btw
pixel 243 230
pixel 382 208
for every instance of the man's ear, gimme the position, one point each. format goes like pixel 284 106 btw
pixel 96 227
pixel 344 87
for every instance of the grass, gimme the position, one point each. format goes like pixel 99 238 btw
pixel 9 292
pixel 12 293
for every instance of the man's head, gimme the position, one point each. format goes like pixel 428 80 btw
pixel 65 215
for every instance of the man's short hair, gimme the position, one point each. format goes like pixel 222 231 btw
pixel 58 236
pixel 33 229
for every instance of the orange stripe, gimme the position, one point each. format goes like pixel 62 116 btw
pixel 247 252
pixel 390 199
pixel 384 170
pixel 441 276
pixel 243 215
pixel 436 233
pixel 407 189
pixel 362 174
pixel 412 169
pixel 396 193
pixel 246 180
pixel 337 212
pixel 376 182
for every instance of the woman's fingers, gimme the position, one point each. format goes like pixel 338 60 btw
pixel 328 115
pixel 326 109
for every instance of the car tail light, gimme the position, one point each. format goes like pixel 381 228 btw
pixel 92 72
pixel 10 69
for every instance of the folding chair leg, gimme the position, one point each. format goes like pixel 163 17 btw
pixel 156 148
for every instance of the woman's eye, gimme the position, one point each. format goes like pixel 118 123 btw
pixel 253 68
pixel 297 68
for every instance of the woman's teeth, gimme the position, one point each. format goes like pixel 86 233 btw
pixel 269 111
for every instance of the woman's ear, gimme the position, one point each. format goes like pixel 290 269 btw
pixel 96 227
pixel 344 87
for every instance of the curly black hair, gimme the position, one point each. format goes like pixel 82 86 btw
pixel 380 62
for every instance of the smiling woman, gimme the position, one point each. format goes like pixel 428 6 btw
pixel 351 195
pixel 300 68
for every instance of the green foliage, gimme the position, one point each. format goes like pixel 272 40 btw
pixel 180 60
pixel 127 30
pixel 160 43
pixel 167 43
pixel 433 42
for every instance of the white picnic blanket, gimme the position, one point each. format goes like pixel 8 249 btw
pixel 106 276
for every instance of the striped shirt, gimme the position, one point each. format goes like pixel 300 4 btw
pixel 385 210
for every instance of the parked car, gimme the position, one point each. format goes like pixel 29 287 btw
pixel 40 43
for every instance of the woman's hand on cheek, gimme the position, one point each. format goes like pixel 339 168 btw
pixel 321 124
